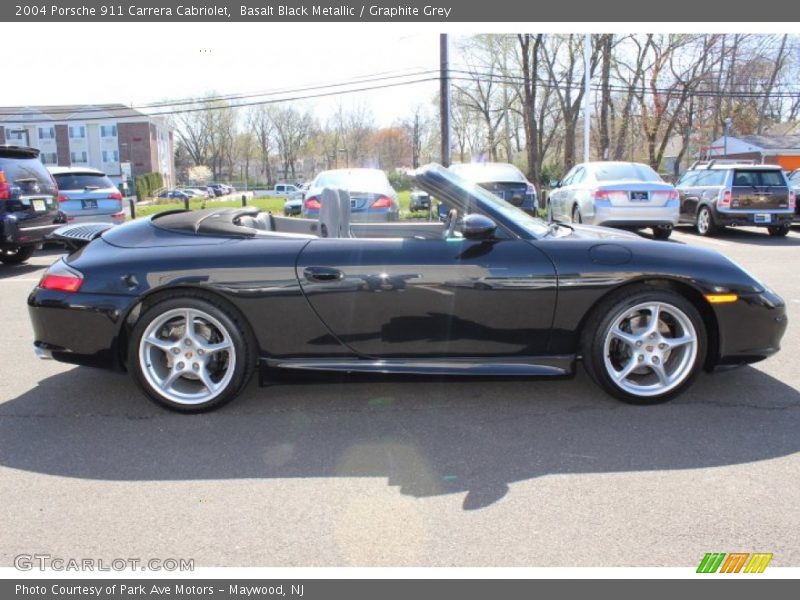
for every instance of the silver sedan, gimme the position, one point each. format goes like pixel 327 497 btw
pixel 616 194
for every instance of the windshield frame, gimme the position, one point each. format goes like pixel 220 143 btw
pixel 469 197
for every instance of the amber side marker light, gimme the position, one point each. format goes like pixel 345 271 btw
pixel 721 298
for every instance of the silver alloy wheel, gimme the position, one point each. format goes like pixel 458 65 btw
pixel 187 356
pixel 650 349
pixel 703 221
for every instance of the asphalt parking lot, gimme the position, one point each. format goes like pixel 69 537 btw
pixel 361 471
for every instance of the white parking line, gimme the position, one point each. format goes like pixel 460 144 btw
pixel 696 238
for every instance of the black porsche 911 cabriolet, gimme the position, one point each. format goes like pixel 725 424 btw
pixel 191 303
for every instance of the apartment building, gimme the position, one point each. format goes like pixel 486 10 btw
pixel 99 136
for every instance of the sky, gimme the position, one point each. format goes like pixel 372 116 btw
pixel 142 63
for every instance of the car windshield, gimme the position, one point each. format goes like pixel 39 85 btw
pixel 356 180
pixel 624 172
pixel 456 190
pixel 81 181
pixel 483 172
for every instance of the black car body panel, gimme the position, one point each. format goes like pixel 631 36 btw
pixel 512 304
pixel 28 198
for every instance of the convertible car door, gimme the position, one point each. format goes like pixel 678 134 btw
pixel 393 298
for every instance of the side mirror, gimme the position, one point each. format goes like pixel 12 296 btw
pixel 517 200
pixel 477 227
pixel 554 183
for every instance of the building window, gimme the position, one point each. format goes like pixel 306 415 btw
pixel 47 133
pixel 111 156
pixel 16 135
pixel 49 158
pixel 108 131
pixel 78 157
pixel 77 131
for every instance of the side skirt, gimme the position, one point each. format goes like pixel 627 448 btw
pixel 528 366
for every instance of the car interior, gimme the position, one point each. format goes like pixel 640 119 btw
pixel 335 222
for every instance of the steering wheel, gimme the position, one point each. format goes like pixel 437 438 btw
pixel 450 224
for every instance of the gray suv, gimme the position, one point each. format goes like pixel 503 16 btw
pixel 718 194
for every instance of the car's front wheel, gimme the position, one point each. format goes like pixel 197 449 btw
pixel 662 233
pixel 190 354
pixel 644 345
pixel 576 215
pixel 16 256
pixel 779 230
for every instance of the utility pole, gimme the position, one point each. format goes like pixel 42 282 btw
pixel 444 99
pixel 587 105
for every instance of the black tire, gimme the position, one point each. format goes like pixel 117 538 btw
pixel 243 343
pixel 662 233
pixel 597 330
pixel 16 256
pixel 704 222
pixel 779 230
pixel 576 215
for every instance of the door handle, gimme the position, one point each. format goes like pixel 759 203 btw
pixel 322 274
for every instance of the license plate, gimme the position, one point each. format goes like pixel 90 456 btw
pixel 762 218
pixel 639 196
pixel 90 203
pixel 39 205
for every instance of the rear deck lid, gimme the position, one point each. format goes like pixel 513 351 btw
pixel 759 189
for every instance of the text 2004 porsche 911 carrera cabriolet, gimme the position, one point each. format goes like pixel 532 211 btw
pixel 191 303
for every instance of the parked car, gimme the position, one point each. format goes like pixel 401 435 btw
pixel 28 207
pixel 616 194
pixel 794 182
pixel 372 198
pixel 502 179
pixel 175 195
pixel 197 192
pixel 419 200
pixel 219 189
pixel 292 207
pixel 491 291
pixel 720 193
pixel 86 194
pixel 286 190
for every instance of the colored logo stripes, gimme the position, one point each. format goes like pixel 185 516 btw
pixel 734 562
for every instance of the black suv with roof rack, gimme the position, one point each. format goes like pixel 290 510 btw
pixel 721 193
pixel 28 203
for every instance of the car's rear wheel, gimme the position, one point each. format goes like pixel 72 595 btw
pixel 16 256
pixel 662 233
pixel 190 354
pixel 704 222
pixel 644 345
pixel 778 230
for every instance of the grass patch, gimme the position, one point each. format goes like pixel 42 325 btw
pixel 273 204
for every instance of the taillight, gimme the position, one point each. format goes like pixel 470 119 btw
pixel 531 190
pixel 601 195
pixel 673 195
pixel 115 196
pixel 725 200
pixel 312 203
pixel 63 197
pixel 61 278
pixel 792 199
pixel 5 191
pixel 119 215
pixel 382 202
